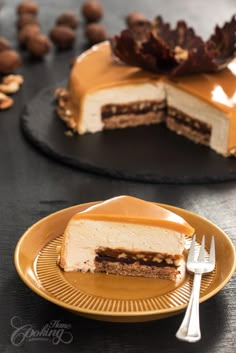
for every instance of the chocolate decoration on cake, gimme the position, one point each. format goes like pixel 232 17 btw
pixel 178 51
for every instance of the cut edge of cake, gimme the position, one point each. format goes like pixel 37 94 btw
pixel 125 236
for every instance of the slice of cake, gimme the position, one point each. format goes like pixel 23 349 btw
pixel 104 93
pixel 125 236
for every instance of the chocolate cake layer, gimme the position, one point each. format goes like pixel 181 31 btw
pixel 136 269
pixel 187 126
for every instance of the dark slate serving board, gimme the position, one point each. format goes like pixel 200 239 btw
pixel 147 153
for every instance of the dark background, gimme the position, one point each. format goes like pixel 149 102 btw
pixel 32 186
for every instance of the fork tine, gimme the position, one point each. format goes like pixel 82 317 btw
pixel 192 249
pixel 201 255
pixel 212 251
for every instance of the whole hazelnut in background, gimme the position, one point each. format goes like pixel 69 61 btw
pixel 68 19
pixel 92 10
pixel 10 60
pixel 4 44
pixel 96 33
pixel 25 20
pixel 28 31
pixel 135 18
pixel 63 37
pixel 29 7
pixel 38 45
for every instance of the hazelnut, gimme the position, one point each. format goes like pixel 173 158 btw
pixel 4 44
pixel 5 101
pixel 135 18
pixel 28 7
pixel 68 19
pixel 26 19
pixel 27 32
pixel 63 37
pixel 38 45
pixel 92 10
pixel 95 33
pixel 10 60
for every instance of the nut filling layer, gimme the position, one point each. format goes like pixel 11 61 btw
pixel 137 108
pixel 185 125
pixel 142 258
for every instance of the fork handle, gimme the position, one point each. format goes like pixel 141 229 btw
pixel 190 328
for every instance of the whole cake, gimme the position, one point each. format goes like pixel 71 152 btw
pixel 137 79
pixel 125 236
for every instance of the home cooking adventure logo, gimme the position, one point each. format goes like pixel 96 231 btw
pixel 54 331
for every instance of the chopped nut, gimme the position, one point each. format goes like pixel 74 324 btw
pixel 5 101
pixel 12 87
pixel 61 93
pixel 177 262
pixel 122 255
pixel 180 54
pixel 69 133
pixel 13 78
pixel 68 112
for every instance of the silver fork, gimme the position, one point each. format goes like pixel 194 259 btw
pixel 190 327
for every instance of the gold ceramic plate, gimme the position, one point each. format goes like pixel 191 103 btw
pixel 109 297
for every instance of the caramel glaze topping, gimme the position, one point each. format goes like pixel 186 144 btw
pixel 96 69
pixel 132 210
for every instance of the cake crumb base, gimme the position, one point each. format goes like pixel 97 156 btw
pixel 135 269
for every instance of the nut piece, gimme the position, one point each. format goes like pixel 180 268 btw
pixel 28 7
pixel 5 101
pixel 12 87
pixel 180 54
pixel 38 45
pixel 63 37
pixel 4 44
pixel 13 78
pixel 26 19
pixel 92 10
pixel 11 83
pixel 135 18
pixel 95 33
pixel 27 32
pixel 10 60
pixel 68 19
pixel 69 133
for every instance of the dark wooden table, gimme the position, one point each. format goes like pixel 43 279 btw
pixel 32 186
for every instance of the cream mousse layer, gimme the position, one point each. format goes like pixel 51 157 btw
pixel 96 79
pixel 125 223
